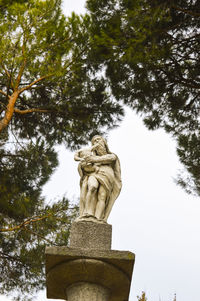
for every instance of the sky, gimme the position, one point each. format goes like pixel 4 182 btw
pixel 153 217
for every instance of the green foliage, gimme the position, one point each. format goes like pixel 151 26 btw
pixel 4 4
pixel 22 251
pixel 49 94
pixel 143 297
pixel 38 43
pixel 149 51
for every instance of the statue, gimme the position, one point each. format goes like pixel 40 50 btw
pixel 100 182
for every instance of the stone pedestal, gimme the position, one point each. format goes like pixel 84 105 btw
pixel 88 270
pixel 90 235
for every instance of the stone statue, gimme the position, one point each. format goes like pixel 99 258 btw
pixel 100 182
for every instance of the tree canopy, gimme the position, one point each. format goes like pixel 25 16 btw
pixel 62 81
pixel 149 51
pixel 48 95
pixel 47 89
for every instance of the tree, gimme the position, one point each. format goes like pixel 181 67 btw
pixel 46 86
pixel 149 51
pixel 23 246
pixel 48 95
pixel 4 4
pixel 143 297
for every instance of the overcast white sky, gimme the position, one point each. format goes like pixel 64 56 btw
pixel 153 218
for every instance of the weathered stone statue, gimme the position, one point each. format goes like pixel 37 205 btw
pixel 88 269
pixel 100 182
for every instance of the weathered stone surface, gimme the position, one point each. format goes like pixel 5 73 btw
pixel 100 183
pixel 87 291
pixel 107 268
pixel 90 235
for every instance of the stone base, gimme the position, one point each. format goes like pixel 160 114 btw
pixel 109 269
pixel 89 270
pixel 90 235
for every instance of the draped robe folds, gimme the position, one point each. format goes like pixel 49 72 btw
pixel 108 174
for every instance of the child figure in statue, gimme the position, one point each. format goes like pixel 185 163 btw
pixel 83 166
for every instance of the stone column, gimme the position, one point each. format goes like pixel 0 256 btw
pixel 84 291
pixel 88 270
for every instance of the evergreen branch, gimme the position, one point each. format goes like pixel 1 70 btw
pixel 25 223
pixel 34 82
pixel 3 104
pixel 15 137
pixel 191 102
pixel 41 236
pixel 12 155
pixel 7 73
pixel 21 68
pixel 4 93
pixel 5 69
pixel 31 111
pixel 14 258
pixel 189 12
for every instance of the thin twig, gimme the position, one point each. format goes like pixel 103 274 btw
pixel 25 223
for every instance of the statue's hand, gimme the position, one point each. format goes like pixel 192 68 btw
pixel 90 159
pixel 83 163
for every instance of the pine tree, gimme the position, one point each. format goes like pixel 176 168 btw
pixel 48 95
pixel 143 297
pixel 149 51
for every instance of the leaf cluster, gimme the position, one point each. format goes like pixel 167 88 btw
pixel 22 251
pixel 44 57
pixel 49 94
pixel 149 51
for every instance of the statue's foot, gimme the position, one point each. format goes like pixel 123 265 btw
pixel 102 221
pixel 90 218
pixel 88 215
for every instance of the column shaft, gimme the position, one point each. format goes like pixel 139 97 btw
pixel 86 291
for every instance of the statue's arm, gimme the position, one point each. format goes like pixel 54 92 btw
pixel 105 159
pixel 77 158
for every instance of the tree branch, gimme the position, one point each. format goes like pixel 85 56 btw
pixel 14 258
pixel 189 12
pixel 21 68
pixel 7 73
pixel 191 102
pixel 9 111
pixel 4 93
pixel 25 223
pixel 34 82
pixel 31 111
pixel 41 236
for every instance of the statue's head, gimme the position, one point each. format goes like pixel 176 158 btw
pixel 103 146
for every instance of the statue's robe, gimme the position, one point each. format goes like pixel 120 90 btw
pixel 109 176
